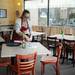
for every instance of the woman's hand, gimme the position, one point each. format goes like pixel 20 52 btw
pixel 26 38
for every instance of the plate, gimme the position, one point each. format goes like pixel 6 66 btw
pixel 12 44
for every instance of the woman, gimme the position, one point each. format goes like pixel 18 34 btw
pixel 22 30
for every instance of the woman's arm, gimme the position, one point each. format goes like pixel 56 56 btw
pixel 17 29
pixel 18 25
pixel 30 27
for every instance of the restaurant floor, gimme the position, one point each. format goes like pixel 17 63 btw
pixel 65 69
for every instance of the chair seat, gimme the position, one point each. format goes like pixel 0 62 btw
pixel 4 62
pixel 48 59
pixel 52 60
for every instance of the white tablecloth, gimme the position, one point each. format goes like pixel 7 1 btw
pixel 68 37
pixel 8 51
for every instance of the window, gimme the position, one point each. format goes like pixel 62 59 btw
pixel 61 12
pixel 38 11
pixel 3 13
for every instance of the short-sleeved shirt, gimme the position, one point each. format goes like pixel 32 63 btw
pixel 17 29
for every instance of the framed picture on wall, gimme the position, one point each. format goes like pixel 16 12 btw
pixel 3 13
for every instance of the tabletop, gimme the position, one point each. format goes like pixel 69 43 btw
pixel 68 37
pixel 37 33
pixel 8 51
pixel 1 39
pixel 5 30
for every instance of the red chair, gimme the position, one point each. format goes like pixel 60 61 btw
pixel 51 42
pixel 5 62
pixel 25 64
pixel 52 60
pixel 68 50
pixel 74 55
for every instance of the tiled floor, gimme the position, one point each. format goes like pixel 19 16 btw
pixel 66 69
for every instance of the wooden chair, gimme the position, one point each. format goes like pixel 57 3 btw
pixel 74 55
pixel 25 64
pixel 36 38
pixel 51 42
pixel 52 60
pixel 5 62
pixel 68 49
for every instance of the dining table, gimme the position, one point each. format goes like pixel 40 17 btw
pixel 68 45
pixel 33 33
pixel 36 35
pixel 61 37
pixel 1 39
pixel 30 47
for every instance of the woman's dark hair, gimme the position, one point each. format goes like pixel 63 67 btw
pixel 24 12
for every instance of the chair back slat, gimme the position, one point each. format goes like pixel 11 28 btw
pixel 26 62
pixel 68 45
pixel 26 68
pixel 26 65
pixel 51 41
pixel 21 57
